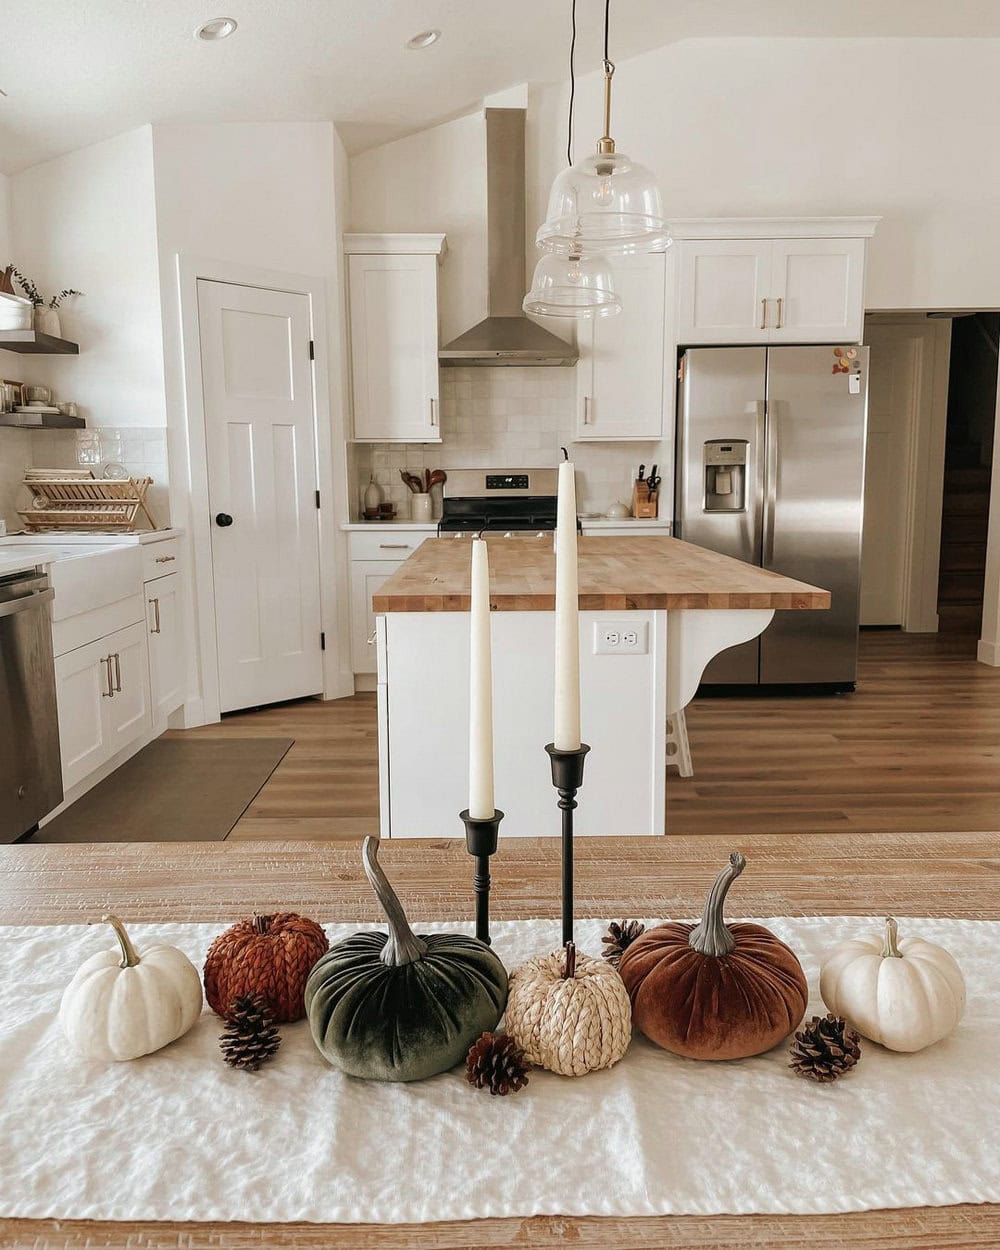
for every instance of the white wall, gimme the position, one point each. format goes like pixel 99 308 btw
pixel 86 220
pixel 905 128
pixel 265 196
pixel 4 220
pixel 433 181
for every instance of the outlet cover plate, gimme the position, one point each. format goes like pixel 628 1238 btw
pixel 621 637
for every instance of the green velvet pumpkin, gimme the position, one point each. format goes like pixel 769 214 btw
pixel 402 1006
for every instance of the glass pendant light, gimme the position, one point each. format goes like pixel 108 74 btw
pixel 569 284
pixel 572 286
pixel 606 203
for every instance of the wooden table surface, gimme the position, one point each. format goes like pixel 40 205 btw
pixel 616 574
pixel 916 874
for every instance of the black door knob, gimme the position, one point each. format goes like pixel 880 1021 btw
pixel 223 519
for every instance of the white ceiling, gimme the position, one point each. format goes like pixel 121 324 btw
pixel 77 71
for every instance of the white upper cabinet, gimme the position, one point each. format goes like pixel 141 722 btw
pixel 620 374
pixel 393 320
pixel 819 286
pixel 723 286
pixel 781 281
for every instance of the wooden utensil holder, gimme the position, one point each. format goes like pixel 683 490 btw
pixel 645 503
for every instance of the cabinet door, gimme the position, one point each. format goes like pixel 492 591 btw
pixel 620 385
pixel 127 715
pixel 166 649
pixel 723 287
pixel 820 283
pixel 84 683
pixel 394 348
pixel 366 578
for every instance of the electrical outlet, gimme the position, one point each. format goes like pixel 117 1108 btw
pixel 618 638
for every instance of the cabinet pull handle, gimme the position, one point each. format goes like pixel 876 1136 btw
pixel 110 692
pixel 371 640
pixel 164 559
pixel 763 314
pixel 780 303
pixel 155 604
pixel 586 410
pixel 433 411
pixel 118 673
pixel 394 546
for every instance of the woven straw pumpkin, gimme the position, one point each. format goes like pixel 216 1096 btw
pixel 569 1013
pixel 267 955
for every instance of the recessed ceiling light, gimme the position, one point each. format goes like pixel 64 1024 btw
pixel 423 40
pixel 217 28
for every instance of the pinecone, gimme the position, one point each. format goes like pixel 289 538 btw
pixel 250 1037
pixel 495 1060
pixel 619 938
pixel 824 1049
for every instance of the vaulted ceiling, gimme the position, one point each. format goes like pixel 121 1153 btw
pixel 77 71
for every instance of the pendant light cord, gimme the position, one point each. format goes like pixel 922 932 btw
pixel 572 84
pixel 607 27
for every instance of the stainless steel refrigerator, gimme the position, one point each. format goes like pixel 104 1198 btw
pixel 770 469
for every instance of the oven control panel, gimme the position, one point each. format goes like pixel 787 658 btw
pixel 506 481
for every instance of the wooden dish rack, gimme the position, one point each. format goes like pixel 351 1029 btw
pixel 86 503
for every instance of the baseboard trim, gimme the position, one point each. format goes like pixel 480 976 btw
pixel 988 653
pixel 365 683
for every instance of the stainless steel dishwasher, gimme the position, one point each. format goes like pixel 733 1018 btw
pixel 30 765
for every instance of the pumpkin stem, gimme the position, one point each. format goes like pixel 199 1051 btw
pixel 261 924
pixel 570 972
pixel 403 945
pixel 711 936
pixel 889 948
pixel 129 956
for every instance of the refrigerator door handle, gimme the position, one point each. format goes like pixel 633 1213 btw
pixel 770 481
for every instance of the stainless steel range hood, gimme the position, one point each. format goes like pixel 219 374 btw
pixel 507 336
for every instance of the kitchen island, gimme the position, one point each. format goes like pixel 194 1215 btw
pixel 653 612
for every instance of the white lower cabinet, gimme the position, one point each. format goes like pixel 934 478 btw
pixel 102 691
pixel 375 555
pixel 166 645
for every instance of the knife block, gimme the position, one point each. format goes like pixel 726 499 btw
pixel 645 503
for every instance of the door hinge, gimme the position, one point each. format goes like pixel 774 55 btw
pixel 312 350
pixel 322 641
pixel 317 499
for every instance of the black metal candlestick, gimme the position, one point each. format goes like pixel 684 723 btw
pixel 567 777
pixel 481 841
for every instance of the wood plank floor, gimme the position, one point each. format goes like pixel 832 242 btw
pixel 916 748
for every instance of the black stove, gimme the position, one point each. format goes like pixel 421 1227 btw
pixel 508 500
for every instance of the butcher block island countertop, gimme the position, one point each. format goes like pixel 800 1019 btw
pixel 616 574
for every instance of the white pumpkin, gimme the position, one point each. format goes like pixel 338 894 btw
pixel 904 994
pixel 121 1005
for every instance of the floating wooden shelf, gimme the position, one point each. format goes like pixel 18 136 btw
pixel 50 421
pixel 32 343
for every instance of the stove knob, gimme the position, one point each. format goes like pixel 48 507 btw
pixel 540 534
pixel 508 534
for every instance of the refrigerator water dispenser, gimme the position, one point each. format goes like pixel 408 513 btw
pixel 726 475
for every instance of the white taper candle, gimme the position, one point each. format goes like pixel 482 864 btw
pixel 567 660
pixel 481 804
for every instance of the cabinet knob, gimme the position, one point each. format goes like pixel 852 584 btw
pixel 223 519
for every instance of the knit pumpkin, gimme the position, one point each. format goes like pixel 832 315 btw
pixel 712 990
pixel 569 1013
pixel 402 1006
pixel 268 955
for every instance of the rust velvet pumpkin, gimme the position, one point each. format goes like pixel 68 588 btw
pixel 712 990
pixel 267 955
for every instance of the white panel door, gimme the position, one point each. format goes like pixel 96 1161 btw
pixel 394 347
pixel 164 624
pixel 820 285
pixel 84 682
pixel 722 290
pixel 257 381
pixel 620 386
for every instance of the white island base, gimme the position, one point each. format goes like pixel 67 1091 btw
pixel 423 715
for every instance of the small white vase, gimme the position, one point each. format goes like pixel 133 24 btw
pixel 47 322
pixel 422 508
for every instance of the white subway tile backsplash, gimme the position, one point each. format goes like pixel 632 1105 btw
pixel 499 418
